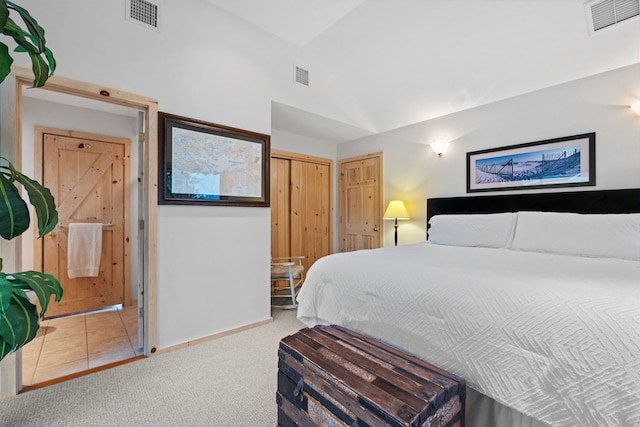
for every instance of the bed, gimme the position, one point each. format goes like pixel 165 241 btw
pixel 533 299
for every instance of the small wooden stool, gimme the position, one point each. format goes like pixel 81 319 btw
pixel 331 376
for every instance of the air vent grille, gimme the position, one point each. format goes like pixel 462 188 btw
pixel 143 12
pixel 604 13
pixel 302 76
pixel 626 9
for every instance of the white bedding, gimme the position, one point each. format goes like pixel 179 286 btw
pixel 555 337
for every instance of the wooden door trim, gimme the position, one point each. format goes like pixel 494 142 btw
pixel 301 157
pixel 341 202
pixel 38 147
pixel 317 160
pixel 24 77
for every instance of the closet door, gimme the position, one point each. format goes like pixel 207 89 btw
pixel 310 210
pixel 280 207
pixel 301 206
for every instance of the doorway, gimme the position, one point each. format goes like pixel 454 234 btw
pixel 12 100
pixel 88 175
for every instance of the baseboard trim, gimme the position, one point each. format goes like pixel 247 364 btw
pixel 214 336
pixel 79 374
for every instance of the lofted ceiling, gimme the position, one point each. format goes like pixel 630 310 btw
pixel 406 61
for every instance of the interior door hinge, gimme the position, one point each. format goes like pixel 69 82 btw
pixel 141 224
pixel 141 312
pixel 142 137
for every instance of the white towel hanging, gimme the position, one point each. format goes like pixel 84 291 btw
pixel 84 249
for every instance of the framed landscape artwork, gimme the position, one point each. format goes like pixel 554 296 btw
pixel 209 164
pixel 561 162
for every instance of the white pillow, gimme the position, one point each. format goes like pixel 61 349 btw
pixel 595 235
pixel 487 230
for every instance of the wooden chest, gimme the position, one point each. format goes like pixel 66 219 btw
pixel 331 376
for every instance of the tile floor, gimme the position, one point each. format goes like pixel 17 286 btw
pixel 72 344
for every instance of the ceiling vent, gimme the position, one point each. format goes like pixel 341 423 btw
pixel 143 12
pixel 605 13
pixel 302 76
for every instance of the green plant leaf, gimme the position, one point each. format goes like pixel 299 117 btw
pixel 40 70
pixel 5 292
pixel 44 285
pixel 32 25
pixel 5 61
pixel 19 36
pixel 41 199
pixel 32 42
pixel 4 14
pixel 52 61
pixel 19 323
pixel 14 213
pixel 18 316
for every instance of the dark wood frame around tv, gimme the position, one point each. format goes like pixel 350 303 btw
pixel 217 136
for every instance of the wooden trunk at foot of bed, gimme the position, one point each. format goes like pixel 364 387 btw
pixel 331 376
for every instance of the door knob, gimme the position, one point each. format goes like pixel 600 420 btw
pixel 375 228
pixel 51 235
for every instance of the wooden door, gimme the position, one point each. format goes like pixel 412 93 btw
pixel 87 178
pixel 360 203
pixel 280 207
pixel 301 206
pixel 310 211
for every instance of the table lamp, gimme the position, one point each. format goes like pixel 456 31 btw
pixel 396 210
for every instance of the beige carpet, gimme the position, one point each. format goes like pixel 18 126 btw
pixel 230 381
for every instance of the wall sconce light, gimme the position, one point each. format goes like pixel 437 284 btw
pixel 439 147
pixel 636 107
pixel 396 210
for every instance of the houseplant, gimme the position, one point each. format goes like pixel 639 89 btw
pixel 19 318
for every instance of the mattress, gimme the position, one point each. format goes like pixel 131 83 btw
pixel 554 337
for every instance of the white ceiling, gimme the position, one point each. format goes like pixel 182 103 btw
pixel 296 21
pixel 406 61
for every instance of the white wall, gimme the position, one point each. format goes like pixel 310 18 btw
pixel 600 103
pixel 287 141
pixel 208 65
pixel 36 112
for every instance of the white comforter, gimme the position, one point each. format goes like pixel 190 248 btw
pixel 554 337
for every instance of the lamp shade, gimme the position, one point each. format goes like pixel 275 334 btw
pixel 439 147
pixel 396 210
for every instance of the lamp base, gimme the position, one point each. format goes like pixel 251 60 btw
pixel 395 237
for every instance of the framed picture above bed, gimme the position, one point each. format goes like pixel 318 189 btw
pixel 560 162
pixel 205 163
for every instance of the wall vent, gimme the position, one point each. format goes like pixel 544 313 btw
pixel 605 13
pixel 302 76
pixel 143 12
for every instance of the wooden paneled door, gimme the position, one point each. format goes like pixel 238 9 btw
pixel 88 175
pixel 280 200
pixel 301 206
pixel 360 202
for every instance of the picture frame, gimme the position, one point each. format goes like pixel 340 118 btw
pixel 569 161
pixel 204 163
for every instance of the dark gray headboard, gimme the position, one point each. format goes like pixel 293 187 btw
pixel 599 201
